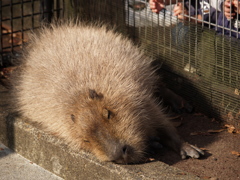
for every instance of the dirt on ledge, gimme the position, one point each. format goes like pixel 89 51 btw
pixel 221 146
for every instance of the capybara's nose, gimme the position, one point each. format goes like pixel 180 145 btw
pixel 124 149
pixel 122 155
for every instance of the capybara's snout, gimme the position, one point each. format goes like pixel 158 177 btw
pixel 122 154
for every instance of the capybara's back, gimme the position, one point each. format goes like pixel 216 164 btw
pixel 94 89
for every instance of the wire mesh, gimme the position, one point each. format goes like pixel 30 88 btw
pixel 199 58
pixel 17 18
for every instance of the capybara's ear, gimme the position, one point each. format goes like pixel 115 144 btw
pixel 94 95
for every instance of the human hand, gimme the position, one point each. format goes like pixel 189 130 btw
pixel 227 10
pixel 156 5
pixel 179 11
pixel 236 5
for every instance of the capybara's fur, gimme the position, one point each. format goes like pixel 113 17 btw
pixel 93 88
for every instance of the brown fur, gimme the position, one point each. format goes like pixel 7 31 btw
pixel 94 89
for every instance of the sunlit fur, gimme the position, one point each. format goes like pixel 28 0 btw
pixel 64 64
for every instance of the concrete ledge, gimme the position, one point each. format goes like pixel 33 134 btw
pixel 53 155
pixel 15 167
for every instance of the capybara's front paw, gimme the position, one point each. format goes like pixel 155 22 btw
pixel 188 150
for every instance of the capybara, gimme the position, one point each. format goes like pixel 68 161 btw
pixel 93 88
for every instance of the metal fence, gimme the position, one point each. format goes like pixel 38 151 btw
pixel 198 54
pixel 17 18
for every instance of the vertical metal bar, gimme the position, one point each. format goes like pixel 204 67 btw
pixel 189 35
pixel 1 37
pixel 145 28
pixel 209 15
pixel 151 35
pixel 231 20
pixel 170 44
pixel 223 20
pixel 32 16
pixel 22 23
pixel 164 37
pixel 237 20
pixel 47 10
pixel 11 22
pixel 189 11
pixel 63 8
pixel 202 16
pixel 180 35
pixel 158 35
pixel 58 8
pixel 133 18
pixel 223 64
pixel 196 39
pixel 216 26
pixel 230 63
pixel 216 17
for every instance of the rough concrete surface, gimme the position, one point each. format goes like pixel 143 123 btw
pixel 53 155
pixel 15 167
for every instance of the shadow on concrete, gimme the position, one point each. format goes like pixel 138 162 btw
pixel 4 151
pixel 7 134
pixel 10 133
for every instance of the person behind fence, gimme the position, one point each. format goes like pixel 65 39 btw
pixel 181 10
pixel 138 14
pixel 203 12
pixel 206 11
pixel 229 19
pixel 224 14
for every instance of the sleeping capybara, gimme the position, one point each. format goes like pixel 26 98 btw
pixel 93 88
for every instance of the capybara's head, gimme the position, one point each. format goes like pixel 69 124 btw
pixel 112 131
